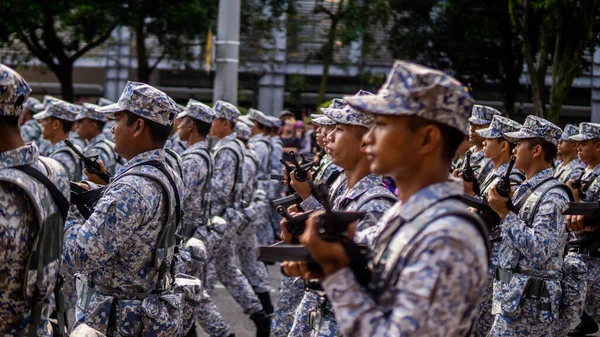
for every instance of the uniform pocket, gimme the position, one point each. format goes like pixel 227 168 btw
pixel 163 315
pixel 512 295
pixel 550 301
pixel 129 317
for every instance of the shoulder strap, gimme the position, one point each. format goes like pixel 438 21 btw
pixel 61 201
pixel 238 183
pixel 205 155
pixel 380 195
pixel 75 158
pixel 175 156
pixel 537 193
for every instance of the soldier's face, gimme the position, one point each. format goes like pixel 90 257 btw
pixel 319 137
pixel 589 150
pixel 49 126
pixel 492 148
pixel 566 147
pixel 345 145
pixel 184 128
pixel 123 135
pixel 525 151
pixel 474 138
pixel 85 128
pixel 329 136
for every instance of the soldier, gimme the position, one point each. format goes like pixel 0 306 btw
pixel 588 149
pixel 260 142
pixel 363 192
pixel 256 207
pixel 174 142
pixel 481 117
pixel 527 286
pixel 107 130
pixel 571 167
pixel 429 265
pixel 89 127
pixel 44 145
pixel 327 171
pixel 498 149
pixel 276 168
pixel 57 121
pixel 30 128
pixel 197 165
pixel 459 158
pixel 28 205
pixel 226 200
pixel 123 252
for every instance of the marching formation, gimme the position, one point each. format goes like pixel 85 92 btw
pixel 117 219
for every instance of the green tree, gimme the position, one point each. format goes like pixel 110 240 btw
pixel 348 21
pixel 57 32
pixel 472 39
pixel 556 33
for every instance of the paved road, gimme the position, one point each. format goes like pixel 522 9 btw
pixel 241 324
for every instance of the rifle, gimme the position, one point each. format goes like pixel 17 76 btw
pixel 591 211
pixel 300 172
pixel 85 200
pixel 468 173
pixel 286 202
pixel 294 224
pixel 281 177
pixel 90 163
pixel 578 184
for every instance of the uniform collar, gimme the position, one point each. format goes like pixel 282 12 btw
pixel 363 186
pixel 596 170
pixel 226 139
pixel 198 145
pixel 158 154
pixel 538 177
pixel 428 196
pixel 58 146
pixel 24 155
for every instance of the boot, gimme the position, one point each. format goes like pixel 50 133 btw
pixel 262 323
pixel 265 301
pixel 587 327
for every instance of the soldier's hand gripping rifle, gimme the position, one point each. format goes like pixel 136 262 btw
pixel 286 202
pixel 300 172
pixel 591 211
pixel 90 163
pixel 468 173
pixel 578 183
pixel 289 169
pixel 295 225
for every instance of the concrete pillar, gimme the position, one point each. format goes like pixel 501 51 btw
pixel 118 61
pixel 595 116
pixel 227 52
pixel 271 90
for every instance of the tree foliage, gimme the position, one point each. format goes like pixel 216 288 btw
pixel 57 32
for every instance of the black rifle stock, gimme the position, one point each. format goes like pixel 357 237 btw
pixel 578 183
pixel 294 224
pixel 503 186
pixel 591 211
pixel 281 177
pixel 300 172
pixel 90 163
pixel 286 202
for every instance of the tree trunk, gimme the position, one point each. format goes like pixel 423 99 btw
pixel 65 76
pixel 327 59
pixel 143 71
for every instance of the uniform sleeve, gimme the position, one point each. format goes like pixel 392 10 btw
pixel 540 240
pixel 67 162
pixel 120 211
pixel 194 180
pixel 310 204
pixel 435 294
pixel 223 180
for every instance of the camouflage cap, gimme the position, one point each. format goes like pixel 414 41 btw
pixel 274 122
pixel 258 117
pixel 242 130
pixel 227 111
pixel 414 90
pixel 285 113
pixel 483 115
pixel 246 120
pixel 145 101
pixel 570 130
pixel 13 92
pixel 323 121
pixel 587 131
pixel 536 127
pixel 199 111
pixel 89 111
pixel 498 127
pixel 30 104
pixel 347 115
pixel 60 110
pixel 104 102
pixel 45 102
pixel 315 116
pixel 336 103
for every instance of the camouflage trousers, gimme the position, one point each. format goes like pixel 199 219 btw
pixel 254 270
pixel 526 324
pixel 592 301
pixel 228 273
pixel 290 296
pixel 484 318
pixel 264 232
pixel 314 317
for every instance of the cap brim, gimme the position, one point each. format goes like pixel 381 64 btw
pixel 521 134
pixel 182 114
pixel 478 121
pixel 38 107
pixel 41 115
pixel 580 138
pixel 488 133
pixel 110 110
pixel 373 104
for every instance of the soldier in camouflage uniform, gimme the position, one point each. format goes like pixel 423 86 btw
pixel 226 194
pixel 527 287
pixel 122 251
pixel 25 203
pixel 260 142
pixel 588 148
pixel 499 151
pixel 481 117
pixel 256 206
pixel 174 142
pixel 197 166
pixel 89 127
pixel 44 145
pixel 570 166
pixel 31 130
pixel 327 171
pixel 57 121
pixel 363 192
pixel 429 260
pixel 276 168
pixel 107 130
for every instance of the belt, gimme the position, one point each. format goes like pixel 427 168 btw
pixel 583 251
pixel 534 289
